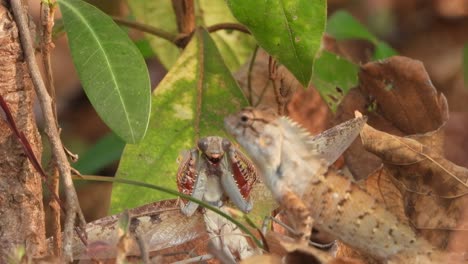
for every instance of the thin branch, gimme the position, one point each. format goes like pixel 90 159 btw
pixel 47 24
pixel 179 40
pixel 228 26
pixel 185 15
pixel 249 74
pixel 147 28
pixel 51 129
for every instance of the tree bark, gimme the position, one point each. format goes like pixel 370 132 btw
pixel 21 208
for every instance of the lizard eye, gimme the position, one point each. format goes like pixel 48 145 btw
pixel 245 118
pixel 203 144
pixel 226 144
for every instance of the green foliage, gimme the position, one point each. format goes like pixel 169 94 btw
pixel 158 13
pixel 191 101
pixel 289 30
pixel 234 46
pixel 107 150
pixel 343 25
pixel 332 71
pixel 199 90
pixel 111 69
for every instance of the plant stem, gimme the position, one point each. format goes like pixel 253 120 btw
pixel 175 193
pixel 47 23
pixel 51 129
pixel 228 26
pixel 146 28
pixel 185 15
pixel 249 74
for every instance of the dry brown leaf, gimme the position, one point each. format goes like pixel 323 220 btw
pixel 418 167
pixel 403 102
pixel 432 186
pixel 400 100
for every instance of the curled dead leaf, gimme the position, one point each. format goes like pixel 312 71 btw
pixel 398 97
pixel 433 189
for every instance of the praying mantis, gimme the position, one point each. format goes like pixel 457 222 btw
pixel 215 172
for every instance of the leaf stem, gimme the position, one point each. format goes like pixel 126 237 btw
pixel 146 28
pixel 228 26
pixel 179 40
pixel 249 74
pixel 175 193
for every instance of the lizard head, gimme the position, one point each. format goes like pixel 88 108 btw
pixel 257 132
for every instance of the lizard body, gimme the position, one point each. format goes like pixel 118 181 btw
pixel 295 168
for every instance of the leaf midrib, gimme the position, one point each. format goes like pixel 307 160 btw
pixel 107 62
pixel 291 37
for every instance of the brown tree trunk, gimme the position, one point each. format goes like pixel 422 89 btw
pixel 21 208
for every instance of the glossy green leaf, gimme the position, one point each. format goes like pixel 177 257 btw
pixel 195 95
pixel 107 150
pixel 159 14
pixel 289 30
pixel 111 69
pixel 342 25
pixel 332 71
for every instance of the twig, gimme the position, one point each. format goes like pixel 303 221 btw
pixel 185 15
pixel 179 40
pixel 249 74
pixel 47 24
pixel 228 26
pixel 55 212
pixel 147 28
pixel 51 129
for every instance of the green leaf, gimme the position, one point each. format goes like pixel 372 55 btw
pixel 332 71
pixel 383 51
pixel 107 150
pixel 195 95
pixel 145 49
pixel 289 30
pixel 159 14
pixel 111 69
pixel 235 46
pixel 342 25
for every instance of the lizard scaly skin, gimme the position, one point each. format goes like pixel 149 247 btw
pixel 295 164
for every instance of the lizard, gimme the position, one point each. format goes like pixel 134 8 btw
pixel 215 172
pixel 294 165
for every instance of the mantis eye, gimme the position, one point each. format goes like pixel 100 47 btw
pixel 226 145
pixel 203 144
